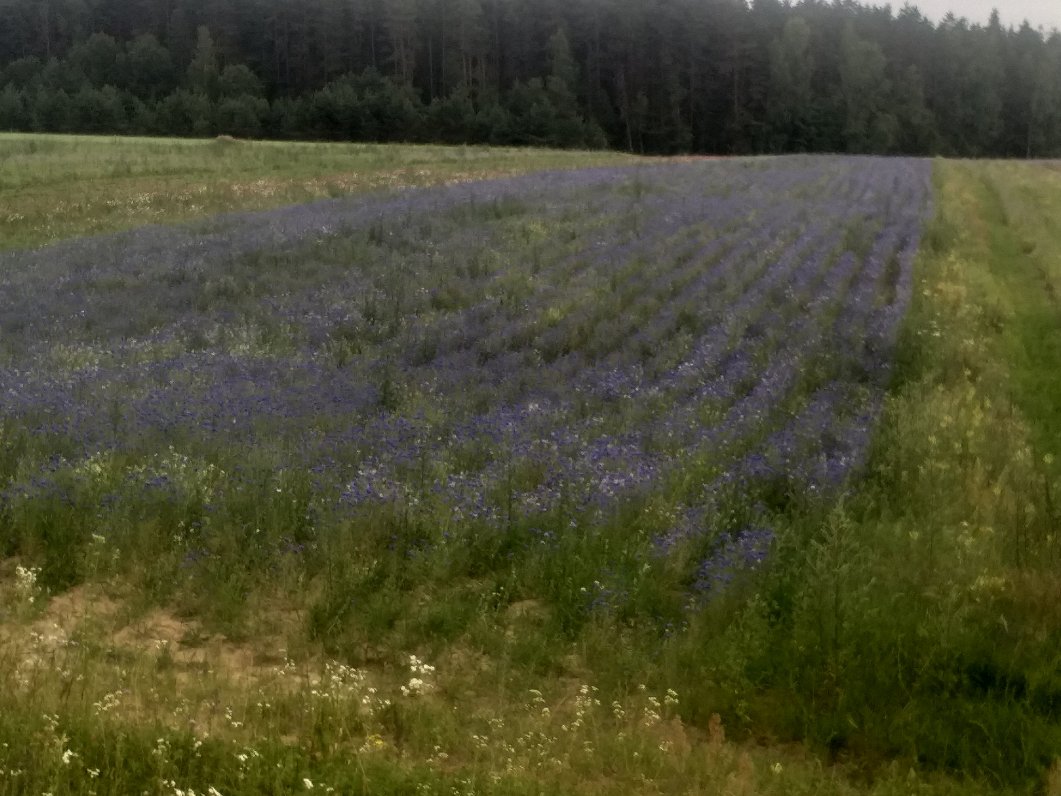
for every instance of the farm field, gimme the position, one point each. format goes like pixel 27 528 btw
pixel 645 477
pixel 56 186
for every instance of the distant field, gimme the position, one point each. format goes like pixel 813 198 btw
pixel 58 186
pixel 726 476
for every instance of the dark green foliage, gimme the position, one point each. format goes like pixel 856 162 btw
pixel 238 81
pixel 185 113
pixel 242 116
pixel 150 72
pixel 52 111
pixel 98 111
pixel 13 112
pixel 363 107
pixel 685 76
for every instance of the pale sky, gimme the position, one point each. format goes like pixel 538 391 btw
pixel 1012 12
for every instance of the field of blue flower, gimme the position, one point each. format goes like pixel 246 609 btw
pixel 621 425
pixel 681 349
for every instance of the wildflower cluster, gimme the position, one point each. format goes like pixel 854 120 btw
pixel 421 678
pixel 26 583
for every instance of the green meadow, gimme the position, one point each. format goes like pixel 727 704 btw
pixel 59 186
pixel 905 639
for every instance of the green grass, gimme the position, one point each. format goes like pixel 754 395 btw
pixel 60 186
pixel 1022 205
pixel 918 619
pixel 906 641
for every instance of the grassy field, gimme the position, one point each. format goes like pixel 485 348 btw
pixel 181 615
pixel 55 187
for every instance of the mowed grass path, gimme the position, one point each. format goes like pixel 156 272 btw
pixel 55 187
pixel 1022 205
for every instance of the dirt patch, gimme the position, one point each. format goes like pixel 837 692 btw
pixel 526 610
pixel 87 615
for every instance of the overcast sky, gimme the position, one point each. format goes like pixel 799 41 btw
pixel 1039 12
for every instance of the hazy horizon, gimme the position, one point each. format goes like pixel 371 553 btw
pixel 1012 12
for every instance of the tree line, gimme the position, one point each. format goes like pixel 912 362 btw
pixel 654 76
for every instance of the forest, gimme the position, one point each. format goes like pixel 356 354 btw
pixel 647 76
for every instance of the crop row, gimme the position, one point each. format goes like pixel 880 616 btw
pixel 543 351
